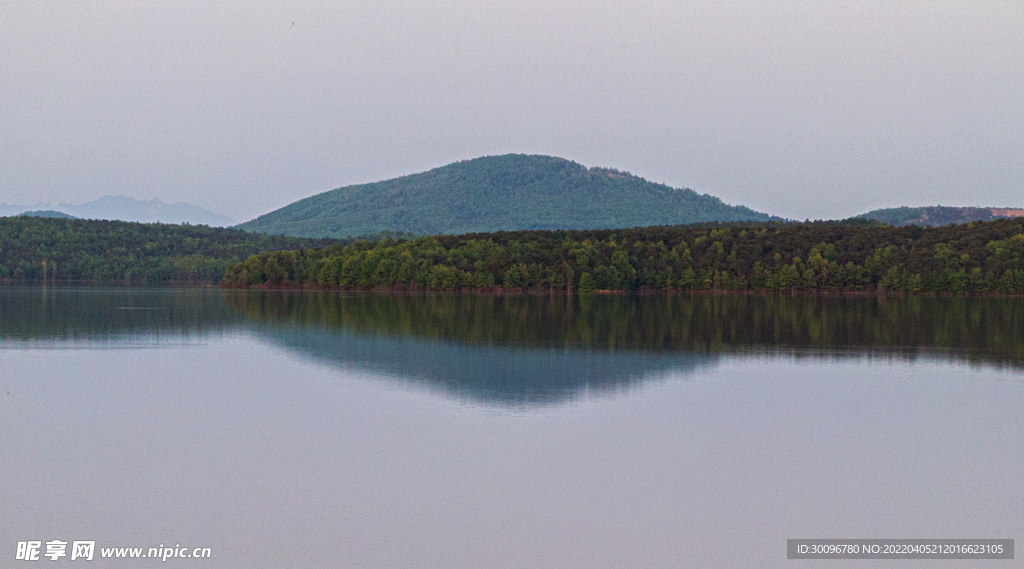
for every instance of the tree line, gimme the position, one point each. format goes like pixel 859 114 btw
pixel 53 249
pixel 852 255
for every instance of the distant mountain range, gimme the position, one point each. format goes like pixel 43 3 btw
pixel 939 215
pixel 495 193
pixel 125 209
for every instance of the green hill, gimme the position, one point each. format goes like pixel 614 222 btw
pixel 938 215
pixel 498 193
pixel 47 213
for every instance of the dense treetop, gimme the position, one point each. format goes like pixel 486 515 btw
pixel 511 192
pixel 98 250
pixel 856 255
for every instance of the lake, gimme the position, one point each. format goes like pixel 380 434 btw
pixel 333 429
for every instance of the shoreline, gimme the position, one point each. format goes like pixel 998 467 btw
pixel 508 291
pixel 503 291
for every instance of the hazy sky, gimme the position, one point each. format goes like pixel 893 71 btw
pixel 798 108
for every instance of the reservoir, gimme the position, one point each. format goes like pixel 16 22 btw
pixel 326 429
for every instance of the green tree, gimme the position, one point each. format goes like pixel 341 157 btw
pixel 587 283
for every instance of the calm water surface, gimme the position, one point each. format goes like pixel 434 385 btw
pixel 330 430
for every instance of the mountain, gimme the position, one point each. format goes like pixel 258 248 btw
pixel 46 213
pixel 151 211
pixel 8 210
pixel 123 208
pixel 939 215
pixel 496 193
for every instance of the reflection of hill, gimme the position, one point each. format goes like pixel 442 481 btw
pixel 974 329
pixel 530 349
pixel 496 375
pixel 527 349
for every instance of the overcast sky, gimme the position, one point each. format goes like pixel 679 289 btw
pixel 804 109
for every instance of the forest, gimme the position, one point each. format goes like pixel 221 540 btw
pixel 847 256
pixel 52 249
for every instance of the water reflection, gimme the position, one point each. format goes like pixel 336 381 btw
pixel 493 375
pixel 229 443
pixel 36 314
pixel 983 330
pixel 532 349
pixel 535 349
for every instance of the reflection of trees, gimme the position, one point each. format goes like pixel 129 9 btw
pixel 973 328
pixel 985 328
pixel 530 349
pixel 45 313
pixel 527 350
